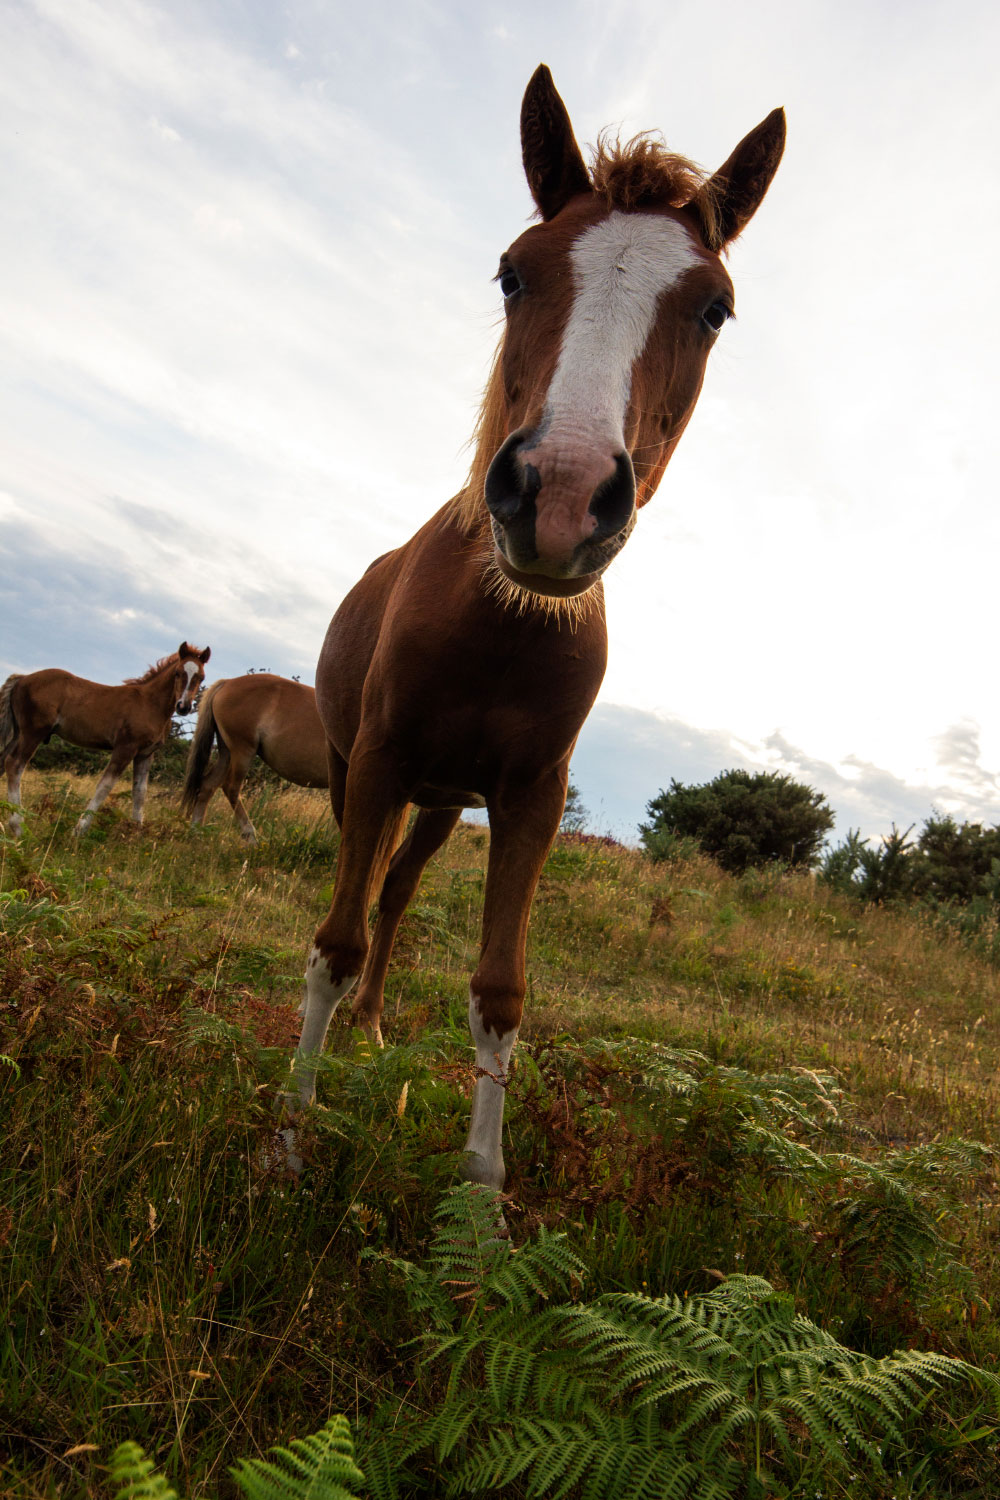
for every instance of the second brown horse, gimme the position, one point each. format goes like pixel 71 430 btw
pixel 256 714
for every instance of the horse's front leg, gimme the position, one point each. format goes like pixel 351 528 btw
pixel 140 784
pixel 430 830
pixel 523 824
pixel 373 817
pixel 116 765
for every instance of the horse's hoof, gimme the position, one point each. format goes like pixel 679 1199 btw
pixel 502 1234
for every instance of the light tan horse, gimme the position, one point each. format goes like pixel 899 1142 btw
pixel 130 721
pixel 258 714
pixel 459 670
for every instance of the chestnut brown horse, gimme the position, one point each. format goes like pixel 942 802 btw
pixel 458 672
pixel 130 721
pixel 258 714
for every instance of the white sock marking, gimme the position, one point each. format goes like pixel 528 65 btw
pixel 101 791
pixel 485 1144
pixel 14 823
pixel 322 998
pixel 140 782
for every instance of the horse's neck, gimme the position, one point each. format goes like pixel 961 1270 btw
pixel 159 690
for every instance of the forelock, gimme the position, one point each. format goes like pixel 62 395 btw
pixel 643 173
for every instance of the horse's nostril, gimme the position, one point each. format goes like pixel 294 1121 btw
pixel 613 501
pixel 511 486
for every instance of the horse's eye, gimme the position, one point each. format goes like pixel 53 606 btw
pixel 716 315
pixel 509 280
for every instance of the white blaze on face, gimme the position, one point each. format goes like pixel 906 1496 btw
pixel 190 673
pixel 621 268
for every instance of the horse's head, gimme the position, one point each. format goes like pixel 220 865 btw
pixel 613 303
pixel 189 676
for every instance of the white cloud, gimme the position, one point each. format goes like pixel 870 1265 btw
pixel 247 304
pixel 165 132
pixel 211 221
pixel 625 757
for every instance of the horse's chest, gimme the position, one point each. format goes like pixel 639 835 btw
pixel 452 751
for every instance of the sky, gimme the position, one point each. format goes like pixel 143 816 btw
pixel 247 253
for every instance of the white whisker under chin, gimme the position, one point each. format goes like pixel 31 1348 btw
pixel 572 608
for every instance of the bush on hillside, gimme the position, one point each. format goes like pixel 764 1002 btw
pixel 951 864
pixel 742 819
pixel 575 814
pixel 874 875
pixel 956 861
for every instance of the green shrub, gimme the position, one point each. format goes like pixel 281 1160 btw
pixel 956 862
pixel 742 819
pixel 873 875
pixel 575 814
pixel 950 865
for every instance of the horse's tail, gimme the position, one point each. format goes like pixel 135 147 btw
pixel 206 732
pixel 8 724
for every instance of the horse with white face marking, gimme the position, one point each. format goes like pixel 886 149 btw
pixel 130 721
pixel 459 670
pixel 257 714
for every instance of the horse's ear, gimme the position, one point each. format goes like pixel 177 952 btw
pixel 205 655
pixel 553 164
pixel 729 200
pixel 183 649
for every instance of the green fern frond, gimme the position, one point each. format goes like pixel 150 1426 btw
pixel 889 1218
pixel 782 1155
pixel 134 1475
pixel 472 1259
pixel 319 1467
pixel 203 1029
pixel 940 1162
pixel 628 1396
pixel 385 1450
pixel 594 1457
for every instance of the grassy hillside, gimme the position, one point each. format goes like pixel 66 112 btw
pixel 715 1076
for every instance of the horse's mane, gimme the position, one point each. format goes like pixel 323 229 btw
pixel 154 670
pixel 159 666
pixel 490 431
pixel 628 175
